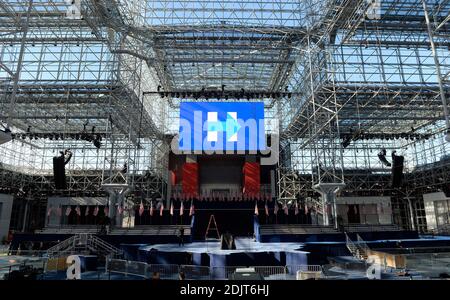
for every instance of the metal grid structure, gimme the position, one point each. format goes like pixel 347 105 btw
pixel 361 76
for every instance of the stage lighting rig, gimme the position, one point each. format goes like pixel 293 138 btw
pixel 382 158
pixel 346 142
pixel 124 168
pixel 97 141
pixel 67 154
pixel 5 136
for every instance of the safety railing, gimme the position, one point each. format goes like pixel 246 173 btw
pixel 191 272
pixel 268 272
pixel 33 268
pixel 163 271
pixel 303 268
pixel 97 244
pixel 20 252
pixel 81 243
pixel 195 272
pixel 431 265
pixel 363 247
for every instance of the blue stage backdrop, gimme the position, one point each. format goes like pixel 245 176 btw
pixel 222 126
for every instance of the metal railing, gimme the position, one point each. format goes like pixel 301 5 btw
pixel 191 272
pixel 363 247
pixel 81 243
pixel 163 271
pixel 195 272
pixel 355 249
pixel 35 265
pixel 304 268
pixel 427 265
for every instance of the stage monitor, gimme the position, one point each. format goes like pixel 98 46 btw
pixel 222 126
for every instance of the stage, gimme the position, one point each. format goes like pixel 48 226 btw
pixel 213 247
pixel 248 253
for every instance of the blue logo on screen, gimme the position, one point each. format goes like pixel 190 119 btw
pixel 222 126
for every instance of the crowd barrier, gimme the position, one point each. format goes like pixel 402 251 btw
pixel 192 272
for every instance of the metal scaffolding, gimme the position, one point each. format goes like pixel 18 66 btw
pixel 361 75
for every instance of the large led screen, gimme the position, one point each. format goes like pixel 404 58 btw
pixel 222 126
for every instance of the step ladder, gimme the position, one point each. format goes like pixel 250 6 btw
pixel 209 228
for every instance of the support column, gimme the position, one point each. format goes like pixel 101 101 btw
pixel 438 69
pixel 328 192
pixel 411 213
pixel 117 193
pixel 16 77
pixel 25 216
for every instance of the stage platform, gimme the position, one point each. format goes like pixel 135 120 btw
pixel 248 253
pixel 213 247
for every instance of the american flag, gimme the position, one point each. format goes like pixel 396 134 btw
pixel 68 210
pixel 141 209
pixel 192 209
pixel 161 209
pixel 78 210
pixel 286 209
pixel 59 211
pixel 256 209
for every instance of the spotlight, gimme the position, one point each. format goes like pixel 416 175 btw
pixel 382 158
pixel 97 144
pixel 346 141
pixel 97 140
pixel 5 136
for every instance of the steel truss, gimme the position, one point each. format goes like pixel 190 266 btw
pixel 358 71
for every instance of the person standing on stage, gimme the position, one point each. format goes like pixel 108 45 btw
pixel 181 236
